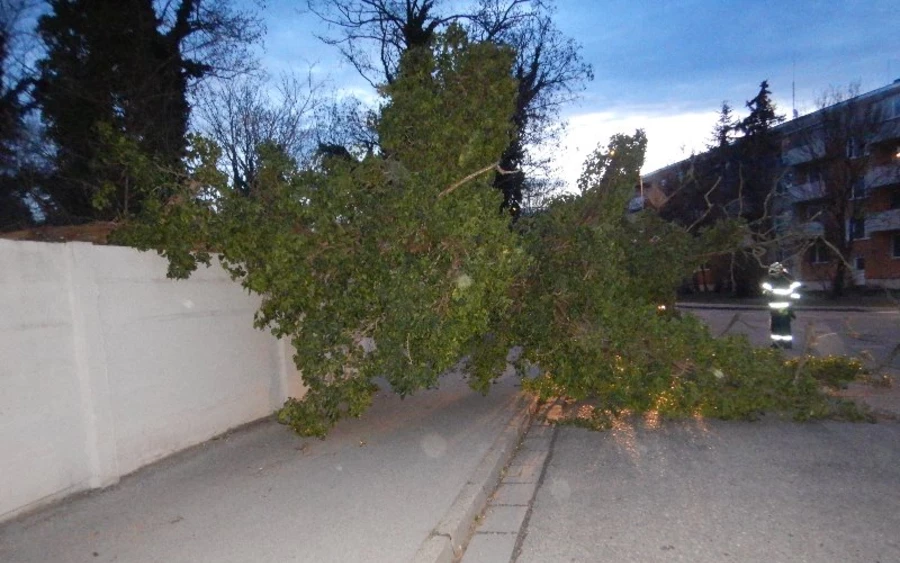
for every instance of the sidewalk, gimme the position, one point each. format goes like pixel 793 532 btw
pixel 403 479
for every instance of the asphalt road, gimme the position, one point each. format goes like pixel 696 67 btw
pixel 872 334
pixel 710 491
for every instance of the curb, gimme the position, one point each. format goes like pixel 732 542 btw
pixel 448 540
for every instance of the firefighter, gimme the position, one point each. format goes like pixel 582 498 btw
pixel 782 291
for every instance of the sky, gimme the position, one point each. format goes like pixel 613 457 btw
pixel 665 66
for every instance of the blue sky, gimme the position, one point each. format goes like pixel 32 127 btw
pixel 667 65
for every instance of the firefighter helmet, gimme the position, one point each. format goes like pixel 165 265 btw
pixel 776 268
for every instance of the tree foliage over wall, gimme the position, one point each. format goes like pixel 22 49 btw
pixel 396 266
pixel 391 266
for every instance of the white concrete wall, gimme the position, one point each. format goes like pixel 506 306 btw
pixel 106 365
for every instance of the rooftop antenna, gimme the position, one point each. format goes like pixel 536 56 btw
pixel 794 89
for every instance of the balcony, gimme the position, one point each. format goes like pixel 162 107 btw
pixel 889 130
pixel 883 221
pixel 805 151
pixel 809 191
pixel 879 176
pixel 810 229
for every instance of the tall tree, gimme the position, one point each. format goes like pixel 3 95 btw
pixel 734 179
pixel 389 27
pixel 763 113
pixel 758 154
pixel 548 67
pixel 833 148
pixel 750 183
pixel 241 115
pixel 124 68
pixel 723 132
pixel 14 210
pixel 699 194
pixel 548 70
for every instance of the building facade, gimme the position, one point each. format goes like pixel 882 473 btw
pixel 833 209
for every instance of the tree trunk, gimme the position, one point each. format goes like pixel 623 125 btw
pixel 840 280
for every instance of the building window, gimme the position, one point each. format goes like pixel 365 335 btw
pixel 818 253
pixel 895 199
pixel 860 263
pixel 813 176
pixel 895 246
pixel 892 108
pixel 782 222
pixel 785 183
pixel 856 229
pixel 812 212
pixel 854 148
pixel 858 191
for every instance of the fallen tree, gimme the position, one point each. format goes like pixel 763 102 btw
pixel 399 266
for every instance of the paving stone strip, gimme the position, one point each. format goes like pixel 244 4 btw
pixel 499 529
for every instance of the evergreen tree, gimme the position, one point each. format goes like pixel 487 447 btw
pixel 732 180
pixel 763 114
pixel 754 179
pixel 723 132
pixel 14 212
pixel 117 69
pixel 757 154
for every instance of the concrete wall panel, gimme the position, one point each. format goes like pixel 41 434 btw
pixel 106 365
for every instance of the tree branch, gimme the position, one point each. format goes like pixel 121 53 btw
pixel 473 175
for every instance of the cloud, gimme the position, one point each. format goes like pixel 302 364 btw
pixel 670 138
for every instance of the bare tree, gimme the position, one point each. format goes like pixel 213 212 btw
pixel 548 66
pixel 213 38
pixel 345 125
pixel 16 129
pixel 829 177
pixel 385 28
pixel 549 71
pixel 244 113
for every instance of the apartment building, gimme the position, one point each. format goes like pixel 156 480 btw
pixel 841 184
pixel 836 188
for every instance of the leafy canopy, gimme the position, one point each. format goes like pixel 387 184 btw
pixel 389 266
pixel 397 266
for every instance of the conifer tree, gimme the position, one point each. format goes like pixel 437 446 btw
pixel 723 132
pixel 120 69
pixel 14 212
